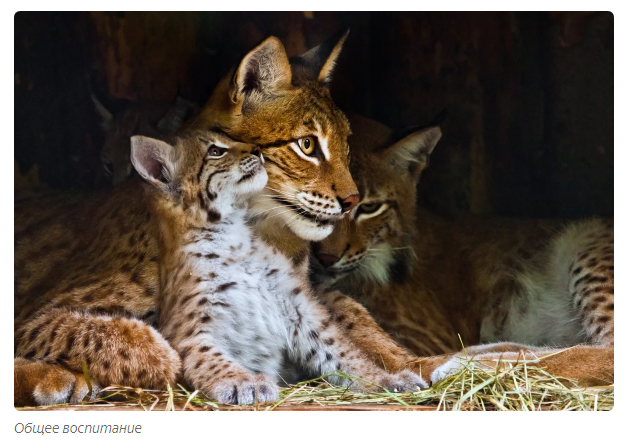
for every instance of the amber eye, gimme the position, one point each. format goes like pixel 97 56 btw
pixel 307 145
pixel 369 208
pixel 215 151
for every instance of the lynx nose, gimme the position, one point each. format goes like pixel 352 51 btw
pixel 327 260
pixel 257 152
pixel 349 202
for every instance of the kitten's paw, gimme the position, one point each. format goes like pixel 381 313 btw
pixel 244 390
pixel 403 381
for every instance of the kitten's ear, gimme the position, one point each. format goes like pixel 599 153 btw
pixel 410 154
pixel 319 62
pixel 154 160
pixel 265 68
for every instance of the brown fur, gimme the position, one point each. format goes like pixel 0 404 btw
pixel 49 379
pixel 470 276
pixel 89 265
pixel 218 281
pixel 298 106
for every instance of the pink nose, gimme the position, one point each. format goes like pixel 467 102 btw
pixel 349 202
pixel 327 260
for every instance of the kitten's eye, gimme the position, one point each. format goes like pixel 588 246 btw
pixel 215 151
pixel 369 208
pixel 307 145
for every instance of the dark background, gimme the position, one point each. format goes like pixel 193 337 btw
pixel 530 96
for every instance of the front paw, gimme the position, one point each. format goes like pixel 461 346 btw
pixel 403 381
pixel 39 384
pixel 245 389
pixel 425 366
pixel 81 390
pixel 451 367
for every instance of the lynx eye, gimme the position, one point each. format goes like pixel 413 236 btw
pixel 369 208
pixel 307 145
pixel 215 151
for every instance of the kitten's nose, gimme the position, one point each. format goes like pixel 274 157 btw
pixel 256 151
pixel 349 202
pixel 327 260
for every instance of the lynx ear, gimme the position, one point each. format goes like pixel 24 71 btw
pixel 153 160
pixel 319 62
pixel 106 106
pixel 106 117
pixel 410 155
pixel 266 67
pixel 179 113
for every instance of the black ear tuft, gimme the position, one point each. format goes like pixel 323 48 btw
pixel 319 62
pixel 439 118
pixel 400 133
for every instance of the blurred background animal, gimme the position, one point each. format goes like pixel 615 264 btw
pixel 121 119
pixel 431 281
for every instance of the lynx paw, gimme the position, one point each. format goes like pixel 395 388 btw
pixel 138 356
pixel 451 367
pixel 40 384
pixel 242 390
pixel 425 366
pixel 403 381
pixel 81 390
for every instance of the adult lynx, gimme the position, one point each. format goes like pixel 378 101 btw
pixel 510 284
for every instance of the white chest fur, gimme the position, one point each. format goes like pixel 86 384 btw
pixel 249 287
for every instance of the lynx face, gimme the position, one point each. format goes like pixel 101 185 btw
pixel 372 238
pixel 284 106
pixel 310 186
pixel 200 173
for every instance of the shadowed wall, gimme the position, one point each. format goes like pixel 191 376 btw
pixel 530 95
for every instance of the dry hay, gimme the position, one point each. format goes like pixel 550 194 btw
pixel 511 385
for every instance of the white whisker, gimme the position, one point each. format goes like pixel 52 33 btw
pixel 291 218
pixel 279 191
pixel 272 195
pixel 278 213
pixel 293 189
pixel 273 207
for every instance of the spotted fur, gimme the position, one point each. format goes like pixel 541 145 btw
pixel 510 284
pixel 231 305
pixel 87 260
pixel 305 193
